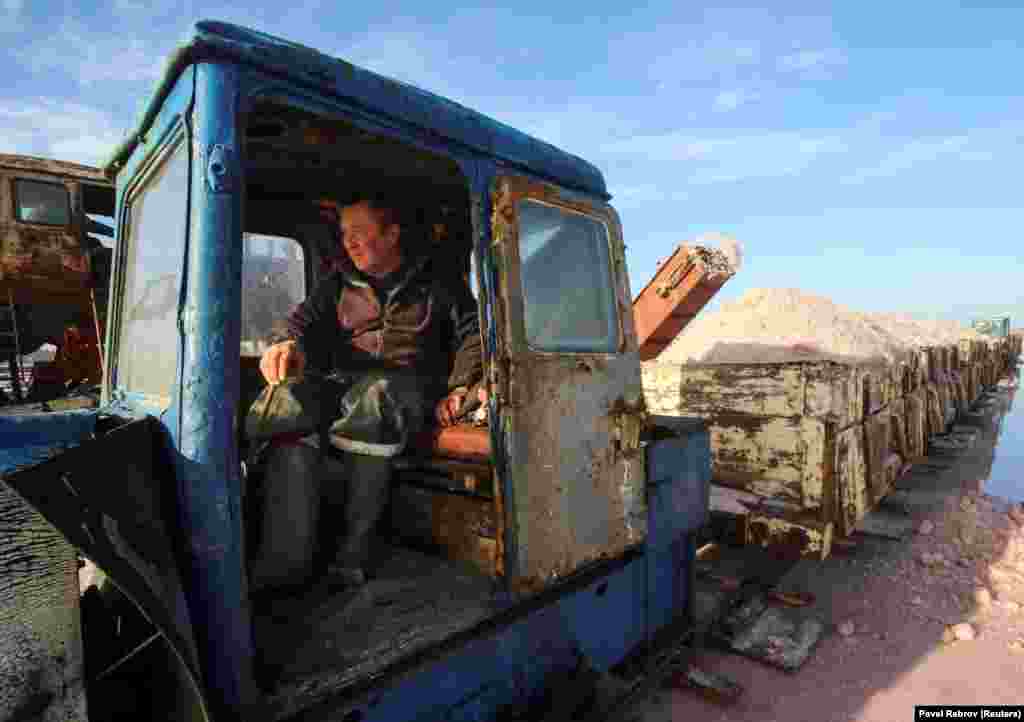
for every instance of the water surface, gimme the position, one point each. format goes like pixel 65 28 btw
pixel 1007 476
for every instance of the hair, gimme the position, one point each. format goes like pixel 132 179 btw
pixel 386 211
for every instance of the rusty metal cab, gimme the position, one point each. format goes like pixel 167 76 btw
pixel 48 259
pixel 560 533
pixel 54 270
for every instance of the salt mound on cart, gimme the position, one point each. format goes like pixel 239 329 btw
pixel 783 325
pixel 916 333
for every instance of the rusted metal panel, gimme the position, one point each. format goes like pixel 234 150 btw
pixel 462 526
pixel 882 463
pixel 851 479
pixel 43 264
pixel 835 391
pixel 763 455
pixel 576 489
pixel 774 457
pixel 680 289
pixel 789 535
pixel 48 166
pixel 915 413
pixel 934 414
pixel 746 389
pixel 820 389
pixel 898 439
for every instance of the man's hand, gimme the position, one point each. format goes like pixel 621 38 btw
pixel 281 361
pixel 448 408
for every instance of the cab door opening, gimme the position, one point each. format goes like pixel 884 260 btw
pixel 437 561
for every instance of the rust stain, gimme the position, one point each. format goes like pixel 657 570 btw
pixel 48 166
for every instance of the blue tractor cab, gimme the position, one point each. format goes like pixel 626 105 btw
pixel 561 531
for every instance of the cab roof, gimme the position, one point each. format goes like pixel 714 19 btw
pixel 304 66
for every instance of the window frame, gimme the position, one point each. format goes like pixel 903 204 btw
pixel 17 180
pixel 177 139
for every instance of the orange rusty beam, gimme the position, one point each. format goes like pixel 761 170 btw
pixel 680 289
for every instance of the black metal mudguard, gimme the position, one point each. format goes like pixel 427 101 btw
pixel 111 497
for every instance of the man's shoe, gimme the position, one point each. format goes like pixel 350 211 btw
pixel 350 577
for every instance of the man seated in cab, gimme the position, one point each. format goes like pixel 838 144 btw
pixel 391 323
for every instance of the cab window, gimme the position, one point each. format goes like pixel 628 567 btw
pixel 273 283
pixel 154 257
pixel 44 203
pixel 568 296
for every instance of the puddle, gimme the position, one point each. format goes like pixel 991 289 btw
pixel 1007 476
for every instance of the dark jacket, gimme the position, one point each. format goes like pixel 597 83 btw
pixel 427 322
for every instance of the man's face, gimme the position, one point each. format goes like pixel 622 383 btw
pixel 373 249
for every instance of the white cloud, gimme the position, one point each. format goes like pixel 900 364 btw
pixel 65 131
pixel 717 159
pixel 805 60
pixel 407 56
pixel 93 58
pixel 917 152
pixel 699 60
pixel 88 149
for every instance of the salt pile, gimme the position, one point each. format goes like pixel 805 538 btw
pixel 781 325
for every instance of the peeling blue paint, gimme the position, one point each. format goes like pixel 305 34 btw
pixel 30 438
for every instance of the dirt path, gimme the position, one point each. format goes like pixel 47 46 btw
pixel 891 610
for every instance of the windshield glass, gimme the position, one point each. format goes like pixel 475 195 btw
pixel 44 203
pixel 154 256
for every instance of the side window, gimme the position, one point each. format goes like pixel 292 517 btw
pixel 273 283
pixel 154 257
pixel 568 295
pixel 39 202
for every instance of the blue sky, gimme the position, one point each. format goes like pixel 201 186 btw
pixel 866 152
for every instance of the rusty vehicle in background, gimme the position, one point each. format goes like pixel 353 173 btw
pixel 54 271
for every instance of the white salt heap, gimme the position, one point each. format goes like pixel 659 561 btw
pixel 779 325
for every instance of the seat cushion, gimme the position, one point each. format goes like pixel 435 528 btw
pixel 461 441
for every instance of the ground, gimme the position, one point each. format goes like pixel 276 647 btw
pixel 891 610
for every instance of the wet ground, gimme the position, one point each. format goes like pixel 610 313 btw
pixel 893 608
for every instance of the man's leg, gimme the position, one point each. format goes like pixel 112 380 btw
pixel 377 417
pixel 291 489
pixel 366 487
